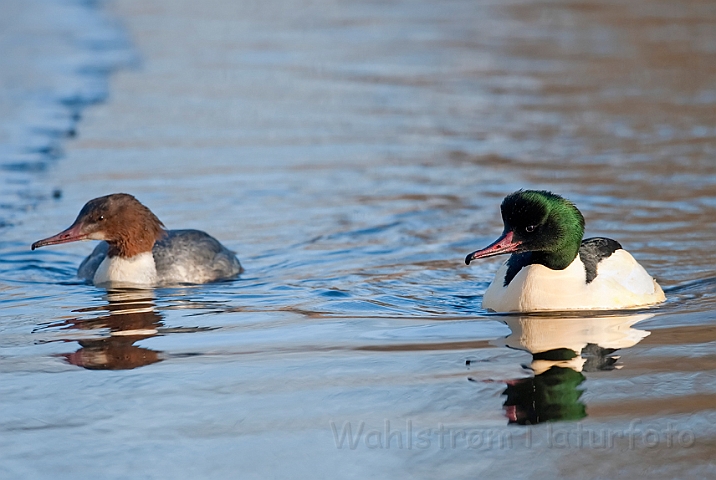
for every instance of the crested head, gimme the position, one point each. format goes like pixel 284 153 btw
pixel 545 223
pixel 540 222
pixel 121 220
pixel 535 212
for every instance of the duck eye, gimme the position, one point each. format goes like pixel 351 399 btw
pixel 101 218
pixel 530 228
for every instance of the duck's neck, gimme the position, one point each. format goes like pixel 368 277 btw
pixel 555 260
pixel 566 229
pixel 558 260
pixel 132 243
pixel 138 269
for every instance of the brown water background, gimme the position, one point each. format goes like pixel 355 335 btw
pixel 353 153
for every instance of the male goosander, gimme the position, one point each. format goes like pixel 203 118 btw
pixel 552 268
pixel 138 250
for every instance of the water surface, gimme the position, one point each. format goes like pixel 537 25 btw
pixel 353 154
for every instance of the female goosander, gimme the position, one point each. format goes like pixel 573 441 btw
pixel 552 268
pixel 138 250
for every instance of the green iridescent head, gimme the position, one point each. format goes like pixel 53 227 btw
pixel 541 222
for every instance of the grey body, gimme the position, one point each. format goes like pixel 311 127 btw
pixel 179 255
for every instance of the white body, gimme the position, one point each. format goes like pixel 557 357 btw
pixel 620 283
pixel 136 270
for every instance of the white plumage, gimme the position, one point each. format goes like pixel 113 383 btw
pixel 620 283
pixel 137 270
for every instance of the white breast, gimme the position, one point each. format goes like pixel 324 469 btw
pixel 138 270
pixel 620 283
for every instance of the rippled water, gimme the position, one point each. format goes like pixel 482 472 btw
pixel 352 154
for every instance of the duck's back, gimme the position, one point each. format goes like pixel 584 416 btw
pixel 192 256
pixel 622 282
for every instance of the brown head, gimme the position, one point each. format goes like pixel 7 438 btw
pixel 125 224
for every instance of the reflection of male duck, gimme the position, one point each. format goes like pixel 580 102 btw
pixel 563 348
pixel 131 318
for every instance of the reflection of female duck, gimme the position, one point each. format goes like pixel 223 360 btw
pixel 562 348
pixel 131 318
